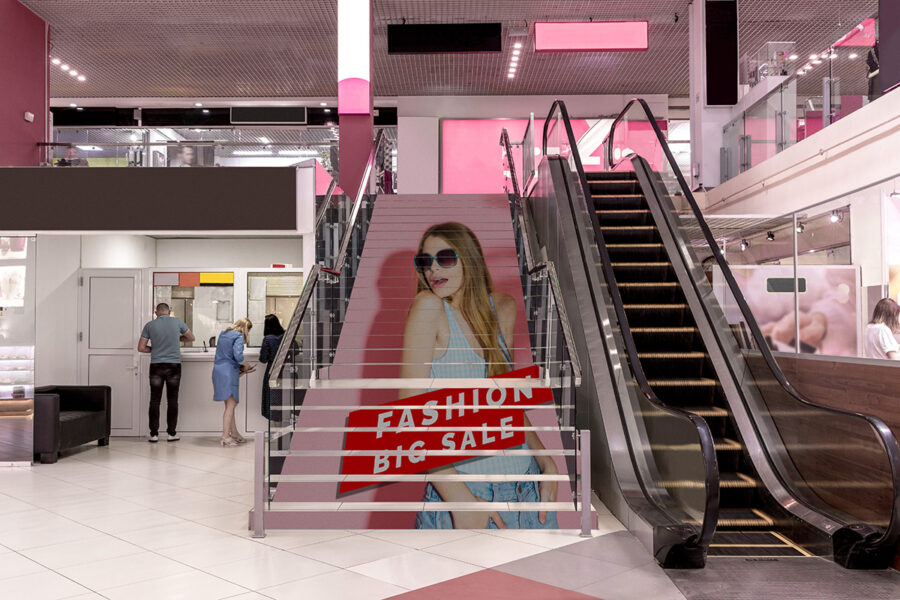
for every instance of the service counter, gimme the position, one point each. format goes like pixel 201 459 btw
pixel 197 412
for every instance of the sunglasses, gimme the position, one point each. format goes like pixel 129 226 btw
pixel 445 258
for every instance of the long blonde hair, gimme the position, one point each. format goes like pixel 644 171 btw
pixel 243 325
pixel 475 291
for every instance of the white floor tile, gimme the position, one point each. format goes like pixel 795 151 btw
pixel 46 535
pixel 270 569
pixel 46 585
pixel 548 538
pixel 172 535
pixel 193 585
pixel 350 551
pixel 16 565
pixel 115 572
pixel 296 539
pixel 420 538
pixel 213 552
pixel 338 585
pixel 59 556
pixel 415 570
pixel 490 550
pixel 141 519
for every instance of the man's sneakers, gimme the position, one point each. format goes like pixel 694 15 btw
pixel 153 439
pixel 173 438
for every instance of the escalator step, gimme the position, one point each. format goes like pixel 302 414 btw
pixel 607 175
pixel 754 544
pixel 618 201
pixel 635 216
pixel 701 382
pixel 744 517
pixel 667 355
pixel 700 411
pixel 615 186
pixel 722 445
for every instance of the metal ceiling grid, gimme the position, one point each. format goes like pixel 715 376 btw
pixel 287 48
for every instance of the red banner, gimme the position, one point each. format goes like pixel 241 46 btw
pixel 478 419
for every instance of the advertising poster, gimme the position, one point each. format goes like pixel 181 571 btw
pixel 829 318
pixel 437 295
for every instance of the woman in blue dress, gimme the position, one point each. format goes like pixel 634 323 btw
pixel 227 369
pixel 458 327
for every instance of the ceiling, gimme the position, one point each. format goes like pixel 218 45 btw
pixel 287 48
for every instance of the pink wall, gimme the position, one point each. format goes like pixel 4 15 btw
pixel 24 44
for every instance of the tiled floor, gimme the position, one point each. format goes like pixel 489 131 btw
pixel 135 520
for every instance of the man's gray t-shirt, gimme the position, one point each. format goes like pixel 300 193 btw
pixel 164 333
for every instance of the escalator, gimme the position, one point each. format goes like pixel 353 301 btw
pixel 677 365
pixel 709 451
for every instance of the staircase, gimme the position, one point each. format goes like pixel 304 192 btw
pixel 678 368
pixel 344 455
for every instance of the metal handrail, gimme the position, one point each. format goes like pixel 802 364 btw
pixel 534 268
pixel 886 436
pixel 323 208
pixel 507 147
pixel 341 257
pixel 707 444
pixel 313 277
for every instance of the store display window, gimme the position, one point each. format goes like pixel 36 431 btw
pixel 204 301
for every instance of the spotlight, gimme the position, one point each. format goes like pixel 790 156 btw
pixel 770 235
pixel 744 245
pixel 323 104
pixel 800 227
pixel 793 57
pixel 198 104
pixel 517 45
pixel 56 61
pixel 836 216
pixel 852 55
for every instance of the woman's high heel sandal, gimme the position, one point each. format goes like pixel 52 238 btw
pixel 227 441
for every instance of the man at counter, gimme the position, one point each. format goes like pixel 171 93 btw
pixel 160 339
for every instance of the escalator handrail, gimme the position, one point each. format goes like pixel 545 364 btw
pixel 884 433
pixel 707 443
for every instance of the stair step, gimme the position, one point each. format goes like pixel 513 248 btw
pixel 471 453
pixel 422 506
pixel 490 477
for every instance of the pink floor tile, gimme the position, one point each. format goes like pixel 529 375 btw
pixel 494 585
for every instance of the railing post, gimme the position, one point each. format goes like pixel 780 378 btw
pixel 585 449
pixel 259 484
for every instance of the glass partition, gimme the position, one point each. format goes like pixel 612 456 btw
pixel 204 301
pixel 271 294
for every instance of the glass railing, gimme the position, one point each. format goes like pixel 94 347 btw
pixel 671 449
pixel 822 88
pixel 828 459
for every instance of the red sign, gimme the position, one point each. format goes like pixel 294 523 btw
pixel 445 420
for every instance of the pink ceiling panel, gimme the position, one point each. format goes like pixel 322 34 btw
pixel 598 36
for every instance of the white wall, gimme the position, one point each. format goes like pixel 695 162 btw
pixel 417 155
pixel 117 252
pixel 418 124
pixel 56 319
pixel 228 252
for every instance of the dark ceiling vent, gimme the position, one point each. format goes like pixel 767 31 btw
pixel 444 38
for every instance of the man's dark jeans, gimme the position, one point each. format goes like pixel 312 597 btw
pixel 170 375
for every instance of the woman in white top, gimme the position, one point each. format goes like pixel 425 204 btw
pixel 880 340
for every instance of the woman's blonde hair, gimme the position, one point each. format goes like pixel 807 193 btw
pixel 243 325
pixel 475 291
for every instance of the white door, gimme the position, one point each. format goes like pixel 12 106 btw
pixel 110 322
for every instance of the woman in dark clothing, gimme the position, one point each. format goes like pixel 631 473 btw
pixel 272 334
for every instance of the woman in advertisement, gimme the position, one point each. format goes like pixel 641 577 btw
pixel 457 327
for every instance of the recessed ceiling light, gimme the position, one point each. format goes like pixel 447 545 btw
pixel 511 75
pixel 832 56
pixel 198 104
pixel 323 104
pixel 73 105
pixel 516 52
pixel 517 45
pixel 56 61
pixel 205 111
pixel 64 67
pixel 134 137
pixel 79 109
pixel 328 110
pixel 801 72
pixel 817 62
pixel 853 55
pixel 813 56
pixel 512 69
pixel 265 140
pixel 81 78
pixel 793 57
pixel 73 73
pixel 744 245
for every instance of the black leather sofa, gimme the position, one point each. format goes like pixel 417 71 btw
pixel 66 416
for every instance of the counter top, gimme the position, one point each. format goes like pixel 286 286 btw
pixel 200 355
